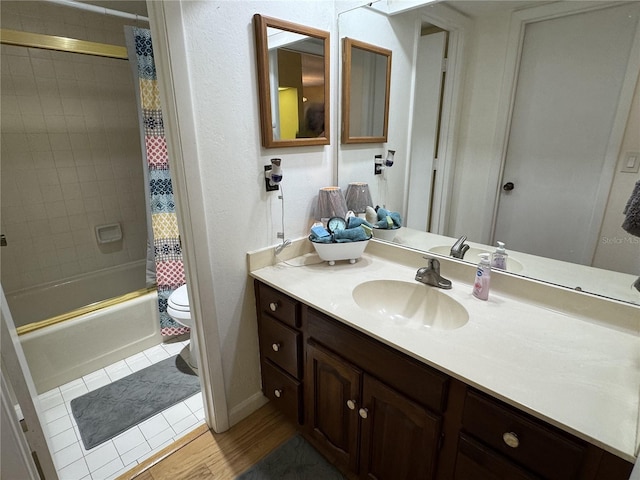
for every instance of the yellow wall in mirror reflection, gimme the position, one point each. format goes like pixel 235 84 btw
pixel 288 104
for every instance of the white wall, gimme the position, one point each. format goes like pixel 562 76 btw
pixel 239 215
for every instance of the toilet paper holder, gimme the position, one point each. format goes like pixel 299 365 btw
pixel 108 233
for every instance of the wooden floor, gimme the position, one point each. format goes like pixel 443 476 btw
pixel 204 454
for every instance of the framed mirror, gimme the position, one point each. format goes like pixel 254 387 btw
pixel 366 82
pixel 293 83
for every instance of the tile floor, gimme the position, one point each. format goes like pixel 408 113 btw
pixel 123 452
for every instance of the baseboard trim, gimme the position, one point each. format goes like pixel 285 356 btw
pixel 246 408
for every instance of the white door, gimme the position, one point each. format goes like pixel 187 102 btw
pixel 426 118
pixel 555 176
pixel 33 447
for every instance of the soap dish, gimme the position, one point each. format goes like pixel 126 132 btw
pixel 331 252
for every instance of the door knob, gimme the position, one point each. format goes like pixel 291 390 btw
pixel 351 404
pixel 507 187
pixel 363 412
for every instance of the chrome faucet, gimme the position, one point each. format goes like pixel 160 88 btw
pixel 430 275
pixel 459 248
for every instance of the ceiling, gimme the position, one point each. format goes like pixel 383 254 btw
pixel 471 8
pixel 138 7
pixel 479 8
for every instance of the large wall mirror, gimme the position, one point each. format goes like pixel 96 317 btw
pixel 366 80
pixel 293 83
pixel 478 105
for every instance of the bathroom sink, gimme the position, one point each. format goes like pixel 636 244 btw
pixel 411 305
pixel 513 266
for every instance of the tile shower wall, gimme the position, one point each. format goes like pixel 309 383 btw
pixel 71 155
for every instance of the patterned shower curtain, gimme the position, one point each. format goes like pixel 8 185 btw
pixel 166 237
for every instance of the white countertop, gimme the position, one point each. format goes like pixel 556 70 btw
pixel 574 373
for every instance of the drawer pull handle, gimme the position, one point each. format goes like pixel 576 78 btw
pixel 276 347
pixel 277 392
pixel 363 412
pixel 351 404
pixel 273 306
pixel 511 439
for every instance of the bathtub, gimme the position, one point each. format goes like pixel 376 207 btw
pixel 87 341
pixel 65 351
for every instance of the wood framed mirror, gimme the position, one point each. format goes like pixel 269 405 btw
pixel 293 83
pixel 366 81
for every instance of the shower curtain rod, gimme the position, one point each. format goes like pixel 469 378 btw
pixel 102 10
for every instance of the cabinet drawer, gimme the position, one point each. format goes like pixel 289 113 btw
pixel 477 462
pixel 541 449
pixel 278 305
pixel 284 391
pixel 281 345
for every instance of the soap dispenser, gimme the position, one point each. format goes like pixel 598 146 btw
pixel 483 277
pixel 499 257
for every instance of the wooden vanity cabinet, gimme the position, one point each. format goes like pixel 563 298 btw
pixel 478 462
pixel 541 449
pixel 377 412
pixel 280 341
pixel 399 438
pixel 359 419
pixel 497 441
pixel 332 397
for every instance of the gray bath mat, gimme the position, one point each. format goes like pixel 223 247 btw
pixel 110 410
pixel 293 460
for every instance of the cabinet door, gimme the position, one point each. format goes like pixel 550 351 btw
pixel 400 438
pixel 332 389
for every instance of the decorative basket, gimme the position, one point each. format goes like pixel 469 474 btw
pixel 387 234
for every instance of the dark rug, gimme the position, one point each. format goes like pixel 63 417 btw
pixel 293 460
pixel 110 410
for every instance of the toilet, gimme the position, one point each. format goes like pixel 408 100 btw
pixel 179 310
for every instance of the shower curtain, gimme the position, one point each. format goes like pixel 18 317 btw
pixel 166 249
